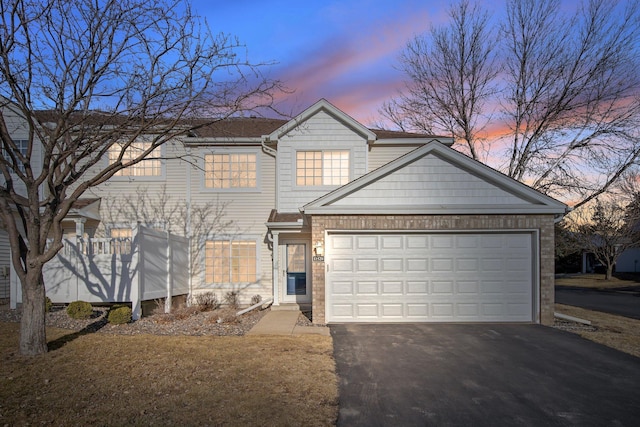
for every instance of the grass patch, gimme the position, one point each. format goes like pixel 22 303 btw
pixel 597 281
pixel 103 379
pixel 621 333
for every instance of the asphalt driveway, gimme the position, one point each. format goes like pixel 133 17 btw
pixel 481 375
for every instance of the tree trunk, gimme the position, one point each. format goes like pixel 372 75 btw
pixel 609 274
pixel 33 339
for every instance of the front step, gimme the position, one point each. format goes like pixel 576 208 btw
pixel 291 307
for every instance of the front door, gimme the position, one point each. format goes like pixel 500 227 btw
pixel 295 283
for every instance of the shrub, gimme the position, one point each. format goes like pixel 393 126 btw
pixel 79 310
pixel 206 301
pixel 47 305
pixel 119 314
pixel 232 299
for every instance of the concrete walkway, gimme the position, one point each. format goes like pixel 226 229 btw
pixel 284 323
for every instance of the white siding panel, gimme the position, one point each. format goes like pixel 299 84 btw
pixel 430 181
pixel 320 132
pixel 246 211
pixel 381 155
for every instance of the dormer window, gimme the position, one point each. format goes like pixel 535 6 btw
pixel 318 168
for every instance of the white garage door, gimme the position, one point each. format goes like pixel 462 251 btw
pixel 436 277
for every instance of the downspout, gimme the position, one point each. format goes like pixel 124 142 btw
pixel 272 237
pixel 189 236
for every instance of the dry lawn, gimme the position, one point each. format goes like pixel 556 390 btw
pixel 621 333
pixel 103 379
pixel 596 281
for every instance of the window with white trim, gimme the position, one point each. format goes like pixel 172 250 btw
pixel 22 145
pixel 230 261
pixel 227 171
pixel 322 168
pixel 149 167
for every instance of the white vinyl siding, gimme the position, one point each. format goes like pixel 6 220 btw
pixel 381 155
pixel 433 181
pixel 321 132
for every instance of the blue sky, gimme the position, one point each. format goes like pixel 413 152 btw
pixel 344 51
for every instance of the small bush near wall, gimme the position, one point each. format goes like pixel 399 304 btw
pixel 119 314
pixel 79 310
pixel 232 299
pixel 206 301
pixel 47 305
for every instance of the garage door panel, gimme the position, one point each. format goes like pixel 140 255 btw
pixel 364 311
pixel 366 242
pixel 342 287
pixel 469 310
pixel 467 265
pixel 392 310
pixel 341 242
pixel 467 287
pixel 366 265
pixel 417 287
pixel 442 265
pixel 366 288
pixel 417 242
pixel 392 242
pixel 430 277
pixel 341 265
pixel 417 311
pixel 441 241
pixel 391 265
pixel 392 287
pixel 417 265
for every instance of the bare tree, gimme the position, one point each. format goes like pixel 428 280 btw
pixel 450 74
pixel 94 80
pixel 569 92
pixel 606 229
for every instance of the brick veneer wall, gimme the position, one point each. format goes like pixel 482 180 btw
pixel 543 223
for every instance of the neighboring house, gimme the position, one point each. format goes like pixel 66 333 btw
pixel 362 225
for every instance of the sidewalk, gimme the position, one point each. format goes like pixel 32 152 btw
pixel 284 323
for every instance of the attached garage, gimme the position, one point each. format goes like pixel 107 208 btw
pixel 430 277
pixel 433 236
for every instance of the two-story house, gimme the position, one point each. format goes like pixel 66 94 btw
pixel 363 225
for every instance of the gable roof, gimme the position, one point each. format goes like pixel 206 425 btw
pixel 330 109
pixel 434 179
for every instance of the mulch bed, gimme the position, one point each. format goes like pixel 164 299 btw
pixel 183 321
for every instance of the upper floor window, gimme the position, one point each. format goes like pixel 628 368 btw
pixel 23 146
pixel 322 168
pixel 230 261
pixel 150 167
pixel 230 170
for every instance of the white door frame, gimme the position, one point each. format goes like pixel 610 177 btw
pixel 282 248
